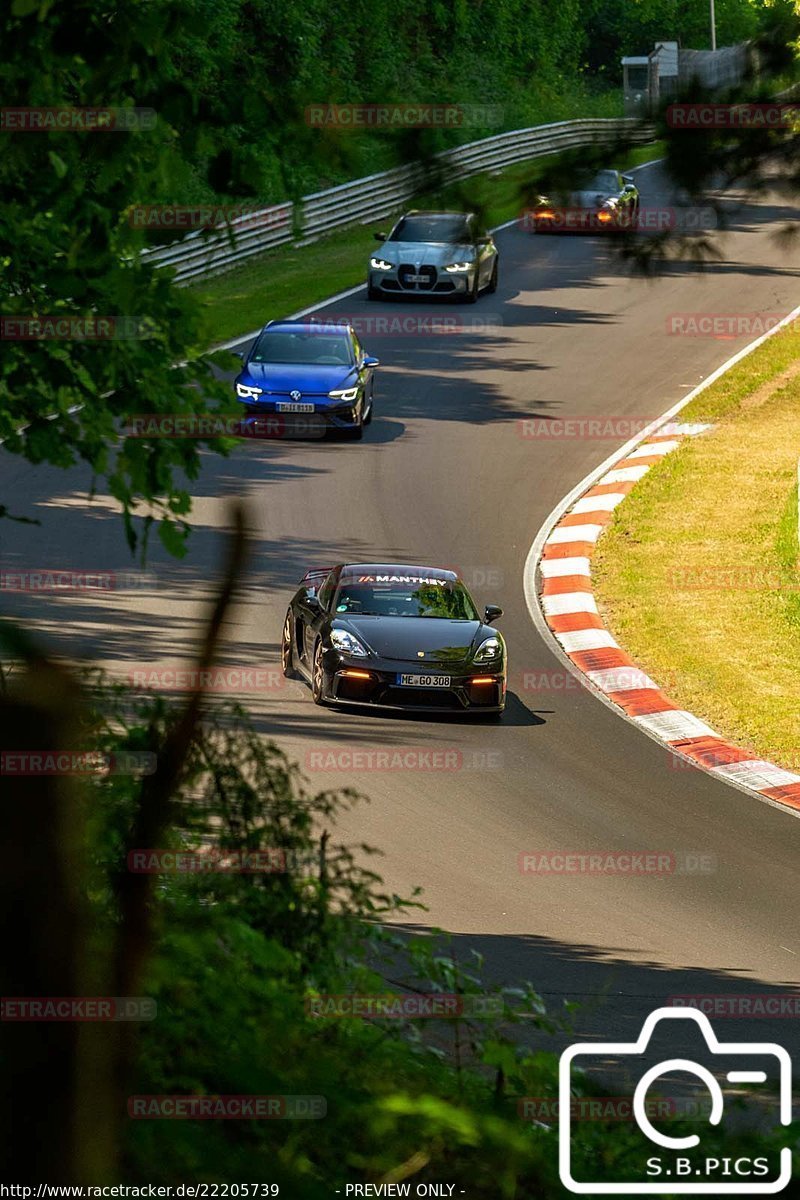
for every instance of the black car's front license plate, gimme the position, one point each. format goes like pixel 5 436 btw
pixel 427 681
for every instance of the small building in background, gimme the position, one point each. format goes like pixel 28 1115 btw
pixel 648 80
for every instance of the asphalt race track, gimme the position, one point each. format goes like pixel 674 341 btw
pixel 445 476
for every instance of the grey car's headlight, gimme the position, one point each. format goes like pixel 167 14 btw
pixel 490 649
pixel 246 391
pixel 458 268
pixel 344 394
pixel 380 264
pixel 342 640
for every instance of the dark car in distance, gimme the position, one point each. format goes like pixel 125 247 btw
pixel 605 201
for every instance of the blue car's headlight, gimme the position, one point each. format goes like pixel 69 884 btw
pixel 380 264
pixel 489 650
pixel 458 268
pixel 245 392
pixel 347 394
pixel 342 640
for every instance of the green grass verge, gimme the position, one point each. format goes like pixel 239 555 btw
pixel 698 574
pixel 293 277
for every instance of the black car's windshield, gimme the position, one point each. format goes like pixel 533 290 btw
pixel 419 598
pixel 603 181
pixel 304 346
pixel 451 229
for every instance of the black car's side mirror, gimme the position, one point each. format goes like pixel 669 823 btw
pixel 312 600
pixel 492 612
pixel 380 237
pixel 629 180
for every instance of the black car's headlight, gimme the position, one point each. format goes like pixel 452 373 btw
pixel 489 650
pixel 348 643
pixel 380 264
pixel 246 392
pixel 458 268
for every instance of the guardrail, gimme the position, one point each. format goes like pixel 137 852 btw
pixel 363 200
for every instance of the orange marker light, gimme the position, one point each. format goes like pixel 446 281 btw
pixel 357 674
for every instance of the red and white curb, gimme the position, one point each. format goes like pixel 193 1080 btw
pixel 558 590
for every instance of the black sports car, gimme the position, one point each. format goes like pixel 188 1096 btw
pixel 604 201
pixel 394 636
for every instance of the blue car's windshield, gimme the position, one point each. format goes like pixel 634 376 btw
pixel 444 228
pixel 306 347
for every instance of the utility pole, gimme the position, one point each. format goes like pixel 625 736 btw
pixel 713 26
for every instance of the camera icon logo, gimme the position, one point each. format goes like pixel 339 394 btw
pixel 674 1171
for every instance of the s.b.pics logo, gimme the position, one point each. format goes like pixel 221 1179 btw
pixel 675 1162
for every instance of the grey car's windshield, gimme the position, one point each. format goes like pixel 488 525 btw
pixel 432 598
pixel 444 229
pixel 603 181
pixel 303 346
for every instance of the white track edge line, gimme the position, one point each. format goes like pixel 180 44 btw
pixel 535 553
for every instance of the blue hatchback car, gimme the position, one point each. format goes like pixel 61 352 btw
pixel 308 377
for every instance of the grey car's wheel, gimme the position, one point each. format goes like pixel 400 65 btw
pixel 493 281
pixel 471 296
pixel 287 659
pixel 317 675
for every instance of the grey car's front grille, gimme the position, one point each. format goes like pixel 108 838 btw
pixel 417 279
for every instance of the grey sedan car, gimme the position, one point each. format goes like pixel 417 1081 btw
pixel 434 254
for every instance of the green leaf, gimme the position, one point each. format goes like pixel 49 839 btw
pixel 57 163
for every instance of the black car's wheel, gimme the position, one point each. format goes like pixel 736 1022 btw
pixel 287 661
pixel 317 676
pixel 492 287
